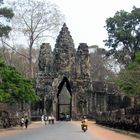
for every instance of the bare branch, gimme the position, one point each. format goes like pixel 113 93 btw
pixel 15 50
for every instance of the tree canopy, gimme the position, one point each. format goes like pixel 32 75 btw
pixel 14 87
pixel 129 80
pixel 7 14
pixel 101 68
pixel 124 35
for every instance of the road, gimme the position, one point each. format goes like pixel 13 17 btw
pixel 62 131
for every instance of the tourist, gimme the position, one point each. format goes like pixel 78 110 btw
pixel 49 119
pixel 42 119
pixel 45 119
pixel 26 122
pixel 67 117
pixel 52 119
pixel 22 122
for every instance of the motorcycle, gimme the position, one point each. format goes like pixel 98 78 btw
pixel 84 128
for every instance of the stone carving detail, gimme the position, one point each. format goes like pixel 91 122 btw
pixel 64 53
pixel 82 61
pixel 45 58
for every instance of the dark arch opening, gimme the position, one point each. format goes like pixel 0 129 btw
pixel 66 82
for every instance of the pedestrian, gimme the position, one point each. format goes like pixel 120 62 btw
pixel 52 119
pixel 42 119
pixel 45 119
pixel 26 122
pixel 49 119
pixel 67 117
pixel 22 122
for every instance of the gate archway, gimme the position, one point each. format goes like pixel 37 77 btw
pixel 64 107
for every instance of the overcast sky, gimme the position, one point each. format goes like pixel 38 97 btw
pixel 86 18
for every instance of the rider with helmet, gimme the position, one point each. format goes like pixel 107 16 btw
pixel 84 122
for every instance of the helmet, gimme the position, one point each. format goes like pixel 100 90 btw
pixel 84 117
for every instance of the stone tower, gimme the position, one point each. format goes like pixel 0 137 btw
pixel 64 54
pixel 44 78
pixel 64 64
pixel 82 61
pixel 83 83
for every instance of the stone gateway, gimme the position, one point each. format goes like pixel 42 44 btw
pixel 63 81
pixel 64 62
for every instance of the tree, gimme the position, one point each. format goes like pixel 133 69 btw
pixel 124 35
pixel 14 87
pixel 17 58
pixel 100 64
pixel 129 80
pixel 5 13
pixel 36 20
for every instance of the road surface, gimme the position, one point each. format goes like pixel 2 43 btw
pixel 62 131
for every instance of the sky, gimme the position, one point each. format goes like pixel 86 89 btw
pixel 86 18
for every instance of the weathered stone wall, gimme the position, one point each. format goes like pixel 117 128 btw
pixel 44 77
pixel 65 61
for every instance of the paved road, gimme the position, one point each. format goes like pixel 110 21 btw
pixel 58 131
pixel 63 131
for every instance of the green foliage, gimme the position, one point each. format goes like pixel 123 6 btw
pixel 129 80
pixel 4 30
pixel 14 87
pixel 138 57
pixel 124 35
pixel 6 13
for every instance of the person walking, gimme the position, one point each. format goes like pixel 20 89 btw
pixel 26 122
pixel 42 119
pixel 52 119
pixel 22 122
pixel 49 119
pixel 45 119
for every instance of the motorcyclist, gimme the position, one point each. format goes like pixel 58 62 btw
pixel 84 122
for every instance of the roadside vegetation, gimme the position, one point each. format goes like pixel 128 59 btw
pixel 14 87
